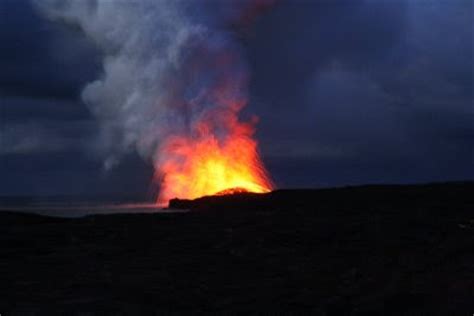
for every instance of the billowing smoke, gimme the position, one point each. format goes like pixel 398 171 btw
pixel 167 64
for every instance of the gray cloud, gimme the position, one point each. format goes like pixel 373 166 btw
pixel 166 64
pixel 39 58
pixel 346 91
pixel 387 85
pixel 34 137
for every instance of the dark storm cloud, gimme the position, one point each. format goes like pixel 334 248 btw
pixel 73 173
pixel 39 58
pixel 299 37
pixel 43 68
pixel 45 132
pixel 23 108
pixel 38 136
pixel 347 92
pixel 366 91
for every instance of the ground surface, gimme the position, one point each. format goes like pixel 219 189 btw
pixel 357 251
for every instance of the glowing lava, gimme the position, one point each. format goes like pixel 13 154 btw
pixel 207 163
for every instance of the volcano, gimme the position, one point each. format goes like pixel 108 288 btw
pixel 232 191
pixel 204 162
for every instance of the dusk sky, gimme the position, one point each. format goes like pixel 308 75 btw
pixel 347 92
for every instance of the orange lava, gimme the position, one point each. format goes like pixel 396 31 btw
pixel 207 163
pixel 231 191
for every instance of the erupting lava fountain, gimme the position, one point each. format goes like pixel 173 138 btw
pixel 206 163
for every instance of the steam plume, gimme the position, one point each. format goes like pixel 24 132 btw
pixel 167 65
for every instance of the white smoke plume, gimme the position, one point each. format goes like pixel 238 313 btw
pixel 166 63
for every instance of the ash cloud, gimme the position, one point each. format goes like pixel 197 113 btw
pixel 161 60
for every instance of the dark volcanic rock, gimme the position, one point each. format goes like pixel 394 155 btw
pixel 251 200
pixel 355 251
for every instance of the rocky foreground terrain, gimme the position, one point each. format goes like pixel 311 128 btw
pixel 392 250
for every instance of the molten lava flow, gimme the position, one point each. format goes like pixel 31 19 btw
pixel 232 191
pixel 206 164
